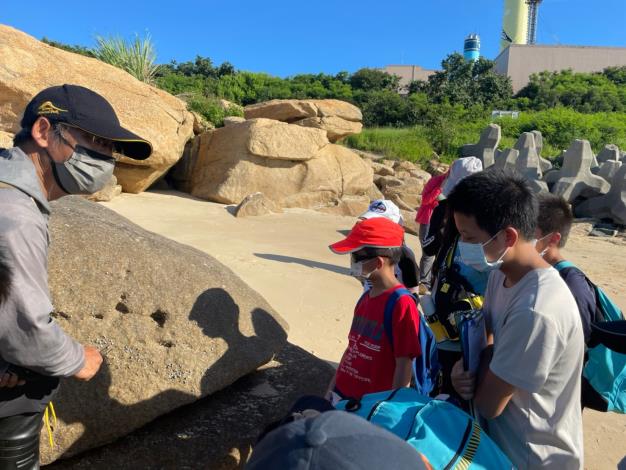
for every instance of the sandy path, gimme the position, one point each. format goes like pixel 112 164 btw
pixel 285 258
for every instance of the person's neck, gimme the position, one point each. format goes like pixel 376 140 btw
pixel 523 259
pixel 43 169
pixel 383 282
pixel 553 256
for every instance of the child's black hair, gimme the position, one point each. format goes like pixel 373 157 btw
pixel 555 215
pixel 497 200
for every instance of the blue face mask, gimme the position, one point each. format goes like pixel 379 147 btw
pixel 473 255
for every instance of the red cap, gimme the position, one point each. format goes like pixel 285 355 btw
pixel 377 232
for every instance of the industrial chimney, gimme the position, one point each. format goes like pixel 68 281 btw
pixel 514 23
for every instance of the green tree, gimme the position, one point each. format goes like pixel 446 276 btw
pixel 367 79
pixel 466 83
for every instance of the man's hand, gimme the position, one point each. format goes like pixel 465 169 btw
pixel 9 380
pixel 93 361
pixel 464 382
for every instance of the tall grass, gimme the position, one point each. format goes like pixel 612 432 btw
pixel 137 57
pixel 559 126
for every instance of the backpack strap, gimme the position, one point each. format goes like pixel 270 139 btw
pixel 561 265
pixel 389 308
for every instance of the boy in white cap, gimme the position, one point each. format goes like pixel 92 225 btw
pixel 406 270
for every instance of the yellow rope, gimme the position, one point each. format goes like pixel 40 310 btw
pixel 46 419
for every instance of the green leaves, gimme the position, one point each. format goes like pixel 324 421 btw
pixel 137 57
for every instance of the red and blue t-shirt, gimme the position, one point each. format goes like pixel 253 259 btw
pixel 369 362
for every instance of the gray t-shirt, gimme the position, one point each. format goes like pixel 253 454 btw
pixel 29 337
pixel 538 348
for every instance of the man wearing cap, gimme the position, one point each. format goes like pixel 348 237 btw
pixel 65 146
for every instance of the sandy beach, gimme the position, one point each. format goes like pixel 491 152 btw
pixel 285 258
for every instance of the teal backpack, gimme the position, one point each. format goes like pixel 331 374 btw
pixel 445 435
pixel 605 369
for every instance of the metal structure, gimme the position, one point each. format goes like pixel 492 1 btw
pixel 471 48
pixel 514 23
pixel 533 11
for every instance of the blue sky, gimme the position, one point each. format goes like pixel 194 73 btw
pixel 288 37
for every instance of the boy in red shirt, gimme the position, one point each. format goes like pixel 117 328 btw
pixel 371 363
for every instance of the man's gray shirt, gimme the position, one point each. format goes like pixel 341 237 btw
pixel 29 337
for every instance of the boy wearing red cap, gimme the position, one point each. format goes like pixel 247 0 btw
pixel 376 360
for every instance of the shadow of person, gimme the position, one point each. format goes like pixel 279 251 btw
pixel 97 404
pixel 90 404
pixel 304 262
pixel 218 315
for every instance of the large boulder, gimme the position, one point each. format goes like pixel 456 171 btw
pixel 29 65
pixel 338 118
pixel 216 433
pixel 173 324
pixel 303 170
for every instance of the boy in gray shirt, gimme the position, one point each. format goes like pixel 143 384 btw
pixel 528 385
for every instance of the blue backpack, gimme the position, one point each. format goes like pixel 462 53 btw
pixel 426 369
pixel 605 369
pixel 606 310
pixel 444 434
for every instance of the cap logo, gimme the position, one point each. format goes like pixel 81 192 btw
pixel 48 108
pixel 378 207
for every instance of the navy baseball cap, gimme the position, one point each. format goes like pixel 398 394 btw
pixel 334 440
pixel 88 111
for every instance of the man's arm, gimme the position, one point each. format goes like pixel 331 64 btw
pixel 403 372
pixel 39 344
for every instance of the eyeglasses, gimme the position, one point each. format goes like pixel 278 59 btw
pixel 362 257
pixel 100 142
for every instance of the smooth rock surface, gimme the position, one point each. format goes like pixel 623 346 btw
pixel 233 162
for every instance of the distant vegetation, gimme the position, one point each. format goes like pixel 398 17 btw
pixel 439 115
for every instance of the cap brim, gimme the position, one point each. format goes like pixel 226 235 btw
pixel 344 247
pixel 126 142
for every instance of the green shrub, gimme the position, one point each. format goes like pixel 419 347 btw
pixel 211 109
pixel 137 57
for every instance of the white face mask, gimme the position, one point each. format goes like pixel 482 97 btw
pixel 473 255
pixel 356 270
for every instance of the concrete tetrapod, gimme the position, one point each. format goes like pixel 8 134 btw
pixel 527 163
pixel 609 169
pixel 611 205
pixel 575 178
pixel 505 159
pixel 544 163
pixel 485 149
pixel 609 152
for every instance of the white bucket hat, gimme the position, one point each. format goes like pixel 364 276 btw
pixel 461 168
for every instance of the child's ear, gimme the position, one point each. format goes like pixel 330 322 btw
pixel 556 238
